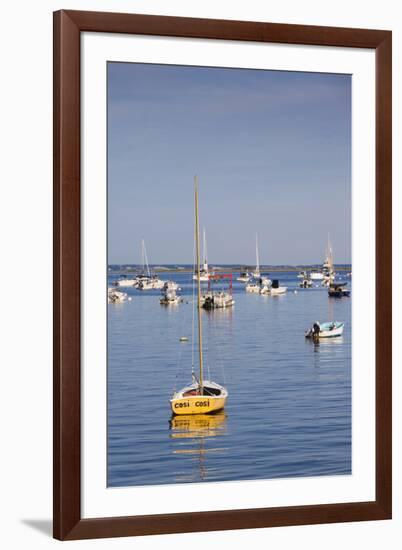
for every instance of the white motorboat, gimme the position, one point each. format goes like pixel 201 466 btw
pixel 253 287
pixel 139 279
pixel 257 284
pixel 274 289
pixel 217 300
pixel 325 330
pixel 170 298
pixel 244 276
pixel 151 283
pixel 116 296
pixel 277 291
pixel 170 285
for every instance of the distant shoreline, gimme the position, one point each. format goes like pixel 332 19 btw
pixel 227 269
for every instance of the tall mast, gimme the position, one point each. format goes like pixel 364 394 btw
pixel 329 256
pixel 145 257
pixel 197 246
pixel 256 254
pixel 142 256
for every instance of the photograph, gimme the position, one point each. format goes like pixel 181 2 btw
pixel 229 275
pixel 206 202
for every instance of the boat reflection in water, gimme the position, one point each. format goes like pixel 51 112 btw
pixel 328 352
pixel 326 344
pixel 194 437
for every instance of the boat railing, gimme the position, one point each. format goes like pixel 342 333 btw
pixel 215 277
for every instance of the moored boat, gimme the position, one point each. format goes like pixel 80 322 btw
pixel 125 281
pixel 170 298
pixel 170 285
pixel 338 290
pixel 218 299
pixel 196 400
pixel 116 296
pixel 278 290
pixel 147 280
pixel 203 272
pixel 330 329
pixel 256 285
pixel 274 289
pixel 245 275
pixel 201 396
pixel 150 283
pixel 306 282
pixel 328 266
pixel 253 286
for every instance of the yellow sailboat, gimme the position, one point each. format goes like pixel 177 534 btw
pixel 201 396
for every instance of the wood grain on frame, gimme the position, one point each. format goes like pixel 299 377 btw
pixel 67 346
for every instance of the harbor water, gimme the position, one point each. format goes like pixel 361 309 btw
pixel 288 413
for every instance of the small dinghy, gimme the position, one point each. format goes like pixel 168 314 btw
pixel 325 330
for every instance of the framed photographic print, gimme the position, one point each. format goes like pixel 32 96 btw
pixel 222 321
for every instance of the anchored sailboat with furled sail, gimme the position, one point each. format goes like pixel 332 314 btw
pixel 328 266
pixel 257 273
pixel 203 273
pixel 201 396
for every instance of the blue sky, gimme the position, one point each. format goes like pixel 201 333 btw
pixel 272 151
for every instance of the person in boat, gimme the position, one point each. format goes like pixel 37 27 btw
pixel 316 331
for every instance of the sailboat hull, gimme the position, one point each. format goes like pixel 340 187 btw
pixel 200 404
pixel 203 278
pixel 189 401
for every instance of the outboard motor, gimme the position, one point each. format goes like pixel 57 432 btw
pixel 275 283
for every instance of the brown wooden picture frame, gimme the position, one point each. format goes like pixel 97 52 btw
pixel 68 25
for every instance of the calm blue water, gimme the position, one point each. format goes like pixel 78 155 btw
pixel 289 408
